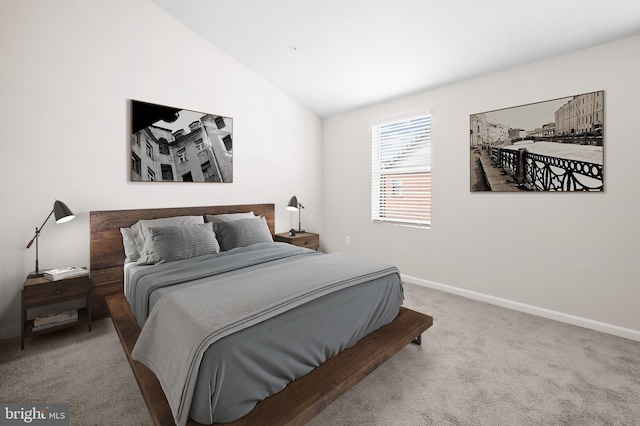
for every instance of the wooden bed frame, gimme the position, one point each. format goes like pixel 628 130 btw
pixel 301 399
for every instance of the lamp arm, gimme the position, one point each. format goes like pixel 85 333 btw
pixel 39 229
pixel 300 207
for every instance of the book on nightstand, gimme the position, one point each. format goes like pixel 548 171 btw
pixel 55 318
pixel 65 272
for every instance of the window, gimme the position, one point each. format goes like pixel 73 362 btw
pixel 206 169
pixel 182 156
pixel 163 146
pixel 199 145
pixel 210 174
pixel 151 175
pixel 228 143
pixel 136 164
pixel 401 172
pixel 149 150
pixel 194 126
pixel 167 171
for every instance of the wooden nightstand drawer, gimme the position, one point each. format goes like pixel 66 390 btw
pixel 311 241
pixel 41 291
pixel 303 239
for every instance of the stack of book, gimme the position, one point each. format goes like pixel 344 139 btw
pixel 64 273
pixel 54 319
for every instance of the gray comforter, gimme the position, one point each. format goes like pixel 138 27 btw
pixel 199 270
pixel 227 294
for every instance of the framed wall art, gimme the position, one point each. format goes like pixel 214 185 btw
pixel 555 145
pixel 179 145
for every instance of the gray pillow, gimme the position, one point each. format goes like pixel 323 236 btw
pixel 143 238
pixel 171 243
pixel 243 232
pixel 227 217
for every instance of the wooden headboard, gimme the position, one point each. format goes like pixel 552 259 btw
pixel 106 258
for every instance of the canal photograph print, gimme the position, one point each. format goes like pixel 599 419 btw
pixel 555 145
pixel 179 145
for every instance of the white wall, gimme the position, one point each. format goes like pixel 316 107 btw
pixel 70 67
pixel 564 254
pixel 69 70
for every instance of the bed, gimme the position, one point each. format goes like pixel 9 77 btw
pixel 333 323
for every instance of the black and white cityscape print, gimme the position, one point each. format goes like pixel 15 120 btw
pixel 555 145
pixel 180 145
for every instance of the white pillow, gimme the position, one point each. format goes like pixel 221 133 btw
pixel 129 242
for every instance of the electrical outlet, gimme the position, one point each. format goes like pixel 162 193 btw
pixel 347 239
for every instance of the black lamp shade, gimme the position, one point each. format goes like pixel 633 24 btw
pixel 293 204
pixel 62 212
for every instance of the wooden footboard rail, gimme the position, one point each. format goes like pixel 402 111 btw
pixel 302 399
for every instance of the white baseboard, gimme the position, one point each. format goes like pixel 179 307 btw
pixel 615 330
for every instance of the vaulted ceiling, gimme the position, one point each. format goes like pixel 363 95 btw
pixel 338 55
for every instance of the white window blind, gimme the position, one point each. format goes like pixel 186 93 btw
pixel 401 172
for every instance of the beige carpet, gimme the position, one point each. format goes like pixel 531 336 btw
pixel 478 365
pixel 89 370
pixel 485 365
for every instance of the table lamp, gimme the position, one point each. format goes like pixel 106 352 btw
pixel 62 214
pixel 293 206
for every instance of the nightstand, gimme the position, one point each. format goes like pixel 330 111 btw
pixel 38 292
pixel 301 239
